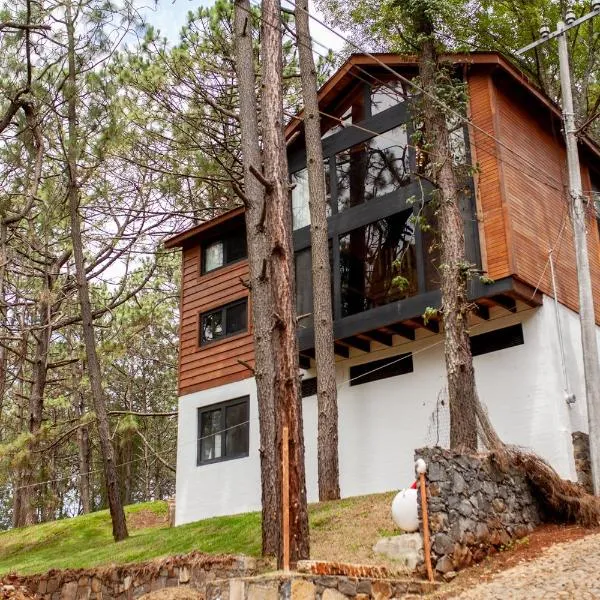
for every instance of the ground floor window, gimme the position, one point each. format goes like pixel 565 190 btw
pixel 223 430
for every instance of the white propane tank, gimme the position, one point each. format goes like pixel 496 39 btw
pixel 404 510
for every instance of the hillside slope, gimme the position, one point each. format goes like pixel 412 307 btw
pixel 342 530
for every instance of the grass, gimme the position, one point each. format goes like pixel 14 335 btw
pixel 340 530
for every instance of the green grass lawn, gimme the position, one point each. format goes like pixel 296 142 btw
pixel 87 541
pixel 340 530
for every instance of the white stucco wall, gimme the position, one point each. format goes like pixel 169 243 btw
pixel 381 423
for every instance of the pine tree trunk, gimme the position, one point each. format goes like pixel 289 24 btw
pixel 278 224
pixel 262 305
pixel 117 514
pixel 462 393
pixel 327 437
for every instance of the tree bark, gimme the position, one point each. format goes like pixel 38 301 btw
pixel 327 436
pixel 262 304
pixel 119 526
pixel 462 393
pixel 278 224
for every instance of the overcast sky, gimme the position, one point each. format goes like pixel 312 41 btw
pixel 170 15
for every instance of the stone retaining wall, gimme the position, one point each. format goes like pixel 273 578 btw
pixel 131 581
pixel 310 586
pixel 583 465
pixel 474 508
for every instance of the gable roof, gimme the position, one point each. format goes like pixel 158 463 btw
pixel 345 76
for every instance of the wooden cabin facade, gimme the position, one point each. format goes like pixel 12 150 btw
pixel 515 210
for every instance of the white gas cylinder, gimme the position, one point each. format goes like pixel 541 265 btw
pixel 404 510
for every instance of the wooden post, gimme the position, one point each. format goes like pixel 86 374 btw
pixel 425 516
pixel 285 498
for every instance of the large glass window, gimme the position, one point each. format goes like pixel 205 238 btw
pixel 224 321
pixel 223 431
pixel 386 95
pixel 223 251
pixel 300 197
pixel 378 264
pixel 373 169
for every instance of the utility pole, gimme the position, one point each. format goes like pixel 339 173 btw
pixel 591 363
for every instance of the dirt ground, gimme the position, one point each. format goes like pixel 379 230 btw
pixel 144 519
pixel 10 590
pixel 521 552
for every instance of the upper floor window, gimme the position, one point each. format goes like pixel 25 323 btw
pixel 224 321
pixel 373 168
pixel 223 431
pixel 223 251
pixel 300 196
pixel 378 263
pixel 386 95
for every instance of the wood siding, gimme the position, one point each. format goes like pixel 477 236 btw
pixel 485 150
pixel 533 163
pixel 217 363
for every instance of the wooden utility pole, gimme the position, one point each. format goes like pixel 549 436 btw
pixel 587 319
pixel 327 436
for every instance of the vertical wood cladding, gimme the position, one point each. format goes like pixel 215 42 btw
pixel 485 152
pixel 217 363
pixel 535 188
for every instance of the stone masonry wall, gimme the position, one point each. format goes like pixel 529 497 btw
pixel 583 465
pixel 131 581
pixel 474 508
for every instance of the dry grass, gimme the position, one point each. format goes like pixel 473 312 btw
pixel 346 530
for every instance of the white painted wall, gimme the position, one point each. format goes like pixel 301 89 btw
pixel 382 422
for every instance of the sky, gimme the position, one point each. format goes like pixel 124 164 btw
pixel 170 15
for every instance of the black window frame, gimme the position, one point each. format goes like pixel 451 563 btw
pixel 223 407
pixel 309 387
pixel 238 235
pixel 383 368
pixel 223 310
pixel 497 339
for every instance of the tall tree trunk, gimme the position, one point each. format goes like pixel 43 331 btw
pixel 3 314
pixel 328 463
pixel 278 224
pixel 462 393
pixel 262 304
pixel 83 446
pixel 119 526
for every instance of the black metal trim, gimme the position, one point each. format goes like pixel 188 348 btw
pixel 402 310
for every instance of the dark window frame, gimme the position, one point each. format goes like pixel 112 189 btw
pixel 223 310
pixel 223 407
pixel 224 239
pixel 375 370
pixel 309 387
pixel 497 339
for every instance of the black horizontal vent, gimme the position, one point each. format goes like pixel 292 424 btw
pixel 309 387
pixel 381 369
pixel 497 340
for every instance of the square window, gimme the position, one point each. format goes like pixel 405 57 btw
pixel 223 431
pixel 213 256
pixel 224 321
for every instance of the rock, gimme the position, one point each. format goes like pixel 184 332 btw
pixel 96 585
pixel 442 544
pixel 348 586
pixel 331 594
pixel 69 591
pixel 461 557
pixel 450 575
pixel 438 522
pixel 465 508
pixel 458 483
pixel 364 587
pixel 380 590
pixel 444 565
pixel 264 591
pixel 301 589
pixel 406 548
pixel 435 472
pixel 498 505
pixel 184 575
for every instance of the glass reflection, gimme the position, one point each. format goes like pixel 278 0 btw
pixel 378 264
pixel 373 169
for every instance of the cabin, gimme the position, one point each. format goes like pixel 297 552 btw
pixel 390 371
